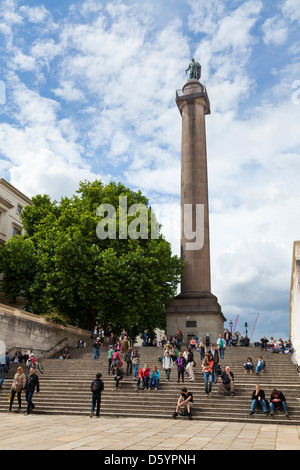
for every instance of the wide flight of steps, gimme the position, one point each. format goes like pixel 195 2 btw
pixel 65 388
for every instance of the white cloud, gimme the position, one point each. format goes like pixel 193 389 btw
pixel 275 31
pixel 101 103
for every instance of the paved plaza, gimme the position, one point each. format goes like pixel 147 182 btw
pixel 40 432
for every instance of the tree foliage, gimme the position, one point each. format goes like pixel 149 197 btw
pixel 61 265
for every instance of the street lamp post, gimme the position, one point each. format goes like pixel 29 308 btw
pixel 231 325
pixel 246 326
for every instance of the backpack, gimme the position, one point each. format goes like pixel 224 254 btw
pixel 116 361
pixel 96 386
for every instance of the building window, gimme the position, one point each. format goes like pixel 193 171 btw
pixel 16 231
pixel 19 209
pixel 191 324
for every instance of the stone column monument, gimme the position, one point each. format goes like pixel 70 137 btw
pixel 195 311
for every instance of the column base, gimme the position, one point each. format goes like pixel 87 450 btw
pixel 195 313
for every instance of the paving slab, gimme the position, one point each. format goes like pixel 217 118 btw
pixel 19 432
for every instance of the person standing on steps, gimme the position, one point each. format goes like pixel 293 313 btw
pixel 207 341
pixel 124 347
pixel 207 370
pixel 4 367
pixel 190 365
pixel 97 346
pixel 17 387
pixel 180 363
pixel 128 360
pixel 32 383
pixel 215 354
pixel 97 387
pixel 109 358
pixel 135 362
pixel 221 345
pixel 167 363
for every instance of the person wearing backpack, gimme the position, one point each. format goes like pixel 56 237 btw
pixel 97 387
pixel 221 345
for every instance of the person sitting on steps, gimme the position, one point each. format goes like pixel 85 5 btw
pixel 186 400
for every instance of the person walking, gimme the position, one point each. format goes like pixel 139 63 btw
pixel 94 333
pixel 190 365
pixel 112 340
pixel 4 367
pixel 202 350
pixel 167 363
pixel 97 346
pixel 97 387
pixel 32 383
pixel 207 341
pixel 128 360
pixel 135 362
pixel 17 386
pixel 124 347
pixel 221 345
pixel 109 358
pixel 215 354
pixel 144 337
pixel 207 370
pixel 180 363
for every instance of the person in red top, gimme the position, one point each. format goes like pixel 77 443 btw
pixel 144 375
pixel 116 357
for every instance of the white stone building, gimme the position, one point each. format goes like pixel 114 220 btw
pixel 295 303
pixel 12 202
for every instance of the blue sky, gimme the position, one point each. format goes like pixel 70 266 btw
pixel 90 93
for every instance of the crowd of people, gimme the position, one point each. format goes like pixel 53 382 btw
pixel 210 357
pixel 123 359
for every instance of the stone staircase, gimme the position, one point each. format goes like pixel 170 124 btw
pixel 65 388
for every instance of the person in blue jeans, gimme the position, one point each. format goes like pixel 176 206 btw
pixel 135 363
pixel 144 338
pixel 260 365
pixel 4 367
pixel 32 383
pixel 278 402
pixel 207 369
pixel 221 345
pixel 154 378
pixel 97 345
pixel 258 398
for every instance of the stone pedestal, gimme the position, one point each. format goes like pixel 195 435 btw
pixel 195 310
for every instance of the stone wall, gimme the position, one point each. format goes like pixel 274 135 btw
pixel 26 330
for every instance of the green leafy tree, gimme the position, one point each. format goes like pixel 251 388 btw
pixel 119 281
